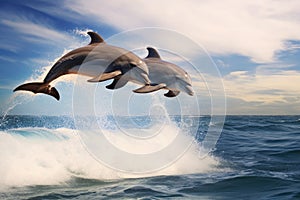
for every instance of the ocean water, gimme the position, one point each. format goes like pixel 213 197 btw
pixel 256 157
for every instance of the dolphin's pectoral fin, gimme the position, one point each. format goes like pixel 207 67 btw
pixel 113 84
pixel 150 88
pixel 117 83
pixel 105 76
pixel 37 87
pixel 172 93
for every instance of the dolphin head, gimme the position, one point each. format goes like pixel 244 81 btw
pixel 141 65
pixel 132 67
pixel 184 83
pixel 138 72
pixel 136 69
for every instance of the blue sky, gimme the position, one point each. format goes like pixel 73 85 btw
pixel 255 45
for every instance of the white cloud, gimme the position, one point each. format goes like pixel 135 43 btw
pixel 39 32
pixel 6 58
pixel 11 46
pixel 263 87
pixel 5 87
pixel 257 29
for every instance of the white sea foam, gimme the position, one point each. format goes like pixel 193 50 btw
pixel 54 157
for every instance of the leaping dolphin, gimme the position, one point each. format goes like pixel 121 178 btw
pixel 163 75
pixel 97 60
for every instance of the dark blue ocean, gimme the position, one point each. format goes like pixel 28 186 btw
pixel 256 157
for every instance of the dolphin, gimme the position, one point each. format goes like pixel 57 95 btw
pixel 163 75
pixel 98 60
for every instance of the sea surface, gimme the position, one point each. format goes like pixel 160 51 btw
pixel 256 157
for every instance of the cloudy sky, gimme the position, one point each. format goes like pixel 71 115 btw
pixel 254 44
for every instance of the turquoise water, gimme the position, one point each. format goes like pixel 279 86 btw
pixel 256 157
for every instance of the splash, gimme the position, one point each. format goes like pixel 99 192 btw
pixel 15 100
pixel 21 97
pixel 40 156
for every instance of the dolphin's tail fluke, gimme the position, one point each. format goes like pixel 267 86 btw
pixel 38 87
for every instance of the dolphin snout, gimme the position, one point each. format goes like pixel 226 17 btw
pixel 142 72
pixel 142 65
pixel 189 90
pixel 145 78
pixel 139 76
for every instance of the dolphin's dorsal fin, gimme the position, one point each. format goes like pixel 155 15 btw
pixel 95 37
pixel 152 53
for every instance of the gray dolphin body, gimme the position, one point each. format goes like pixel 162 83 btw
pixel 166 75
pixel 97 60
